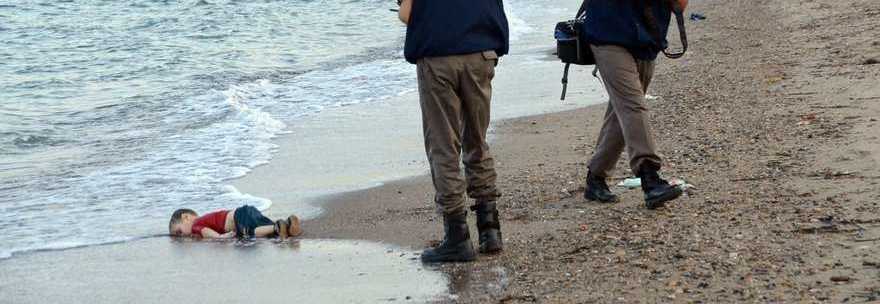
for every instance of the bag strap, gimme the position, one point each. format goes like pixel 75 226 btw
pixel 654 28
pixel 682 34
pixel 565 81
pixel 583 10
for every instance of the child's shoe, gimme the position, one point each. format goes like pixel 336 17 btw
pixel 293 225
pixel 282 229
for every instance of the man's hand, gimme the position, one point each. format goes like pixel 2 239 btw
pixel 405 9
pixel 679 5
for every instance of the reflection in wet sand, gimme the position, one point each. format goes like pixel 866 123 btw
pixel 160 270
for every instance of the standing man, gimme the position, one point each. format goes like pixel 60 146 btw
pixel 625 37
pixel 455 45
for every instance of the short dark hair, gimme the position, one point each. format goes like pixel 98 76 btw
pixel 177 215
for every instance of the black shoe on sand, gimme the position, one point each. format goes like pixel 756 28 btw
pixel 597 190
pixel 456 245
pixel 488 226
pixel 657 190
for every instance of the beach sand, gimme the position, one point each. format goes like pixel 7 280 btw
pixel 771 115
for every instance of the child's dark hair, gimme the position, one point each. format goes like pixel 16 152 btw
pixel 177 215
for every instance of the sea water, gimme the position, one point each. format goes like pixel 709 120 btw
pixel 115 113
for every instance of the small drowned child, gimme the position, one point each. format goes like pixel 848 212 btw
pixel 243 222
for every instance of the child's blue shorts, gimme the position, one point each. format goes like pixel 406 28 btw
pixel 247 219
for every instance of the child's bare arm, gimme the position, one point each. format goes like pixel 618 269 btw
pixel 209 233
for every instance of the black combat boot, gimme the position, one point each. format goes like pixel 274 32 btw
pixel 657 190
pixel 597 190
pixel 456 245
pixel 489 226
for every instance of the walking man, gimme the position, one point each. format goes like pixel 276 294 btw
pixel 625 37
pixel 455 45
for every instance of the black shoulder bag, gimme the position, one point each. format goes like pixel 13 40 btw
pixel 571 49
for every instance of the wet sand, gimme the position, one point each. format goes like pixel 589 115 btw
pixel 364 145
pixel 772 116
pixel 160 270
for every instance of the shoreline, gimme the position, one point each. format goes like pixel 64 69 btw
pixel 405 203
pixel 362 146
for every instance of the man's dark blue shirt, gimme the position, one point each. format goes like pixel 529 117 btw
pixel 622 23
pixel 455 27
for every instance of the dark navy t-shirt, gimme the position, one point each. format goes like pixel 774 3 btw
pixel 455 27
pixel 622 23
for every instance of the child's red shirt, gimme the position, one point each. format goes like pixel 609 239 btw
pixel 215 220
